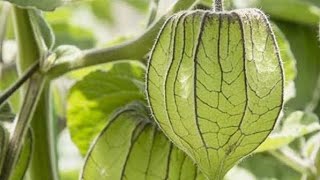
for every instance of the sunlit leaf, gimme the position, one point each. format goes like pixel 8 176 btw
pixel 217 93
pixel 92 99
pixel 132 147
pixel 69 175
pixel 8 75
pixel 296 125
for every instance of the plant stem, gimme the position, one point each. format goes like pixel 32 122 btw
pixel 15 86
pixel 287 157
pixel 22 124
pixel 42 126
pixel 218 5
pixel 28 53
pixel 27 45
pixel 8 76
pixel 135 49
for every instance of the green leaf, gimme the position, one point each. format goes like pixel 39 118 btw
pixel 315 2
pixel 46 5
pixel 131 147
pixel 43 32
pixel 296 125
pixel 102 9
pixel 206 2
pixel 6 113
pixel 265 167
pixel 215 85
pixel 300 11
pixel 141 5
pixel 24 158
pixel 289 63
pixel 305 47
pixel 92 99
pixel 69 175
pixel 69 34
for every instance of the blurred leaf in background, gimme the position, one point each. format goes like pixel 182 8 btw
pixel 299 11
pixel 46 5
pixel 67 32
pixel 102 9
pixel 141 5
pixel 265 167
pixel 296 125
pixel 305 46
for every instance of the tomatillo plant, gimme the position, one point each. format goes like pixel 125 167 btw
pixel 222 91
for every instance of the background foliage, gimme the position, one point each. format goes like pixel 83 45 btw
pixel 84 100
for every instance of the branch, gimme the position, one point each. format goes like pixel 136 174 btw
pixel 15 86
pixel 22 124
pixel 135 49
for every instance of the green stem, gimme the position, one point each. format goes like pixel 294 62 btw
pixel 27 45
pixel 28 53
pixel 290 159
pixel 43 137
pixel 22 124
pixel 218 5
pixel 9 75
pixel 135 49
pixel 16 85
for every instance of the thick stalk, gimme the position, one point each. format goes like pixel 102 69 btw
pixel 218 5
pixel 43 138
pixel 22 124
pixel 27 47
pixel 28 53
pixel 135 49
